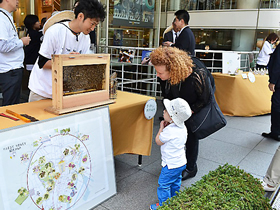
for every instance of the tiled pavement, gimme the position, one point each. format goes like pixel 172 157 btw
pixel 239 143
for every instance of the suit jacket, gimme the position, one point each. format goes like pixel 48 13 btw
pixel 186 41
pixel 168 36
pixel 274 67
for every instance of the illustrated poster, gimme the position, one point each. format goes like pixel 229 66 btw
pixel 62 163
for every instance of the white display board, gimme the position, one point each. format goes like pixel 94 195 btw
pixel 231 62
pixel 62 163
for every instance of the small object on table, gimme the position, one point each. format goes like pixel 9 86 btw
pixel 251 77
pixel 33 119
pixel 113 84
pixel 18 115
pixel 7 116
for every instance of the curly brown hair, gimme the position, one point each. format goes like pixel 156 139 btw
pixel 177 62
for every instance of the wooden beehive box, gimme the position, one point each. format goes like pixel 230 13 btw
pixel 79 81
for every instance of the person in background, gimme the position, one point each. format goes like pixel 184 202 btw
pixel 172 34
pixel 33 26
pixel 266 50
pixel 171 138
pixel 68 37
pixel 185 40
pixel 272 176
pixel 43 21
pixel 11 54
pixel 274 86
pixel 251 60
pixel 175 67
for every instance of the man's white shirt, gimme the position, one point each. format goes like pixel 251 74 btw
pixel 58 39
pixel 11 47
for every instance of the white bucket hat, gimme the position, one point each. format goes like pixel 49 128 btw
pixel 179 110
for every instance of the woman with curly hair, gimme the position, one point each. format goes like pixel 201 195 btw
pixel 182 79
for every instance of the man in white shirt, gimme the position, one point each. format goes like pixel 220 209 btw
pixel 69 37
pixel 11 54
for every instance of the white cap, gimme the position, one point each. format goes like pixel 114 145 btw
pixel 179 110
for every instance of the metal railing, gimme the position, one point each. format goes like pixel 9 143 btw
pixel 138 78
pixel 214 59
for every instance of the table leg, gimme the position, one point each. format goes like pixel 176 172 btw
pixel 139 160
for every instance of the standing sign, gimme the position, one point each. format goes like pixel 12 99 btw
pixel 138 13
pixel 62 163
pixel 231 62
pixel 150 109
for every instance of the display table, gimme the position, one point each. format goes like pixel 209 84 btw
pixel 240 97
pixel 131 131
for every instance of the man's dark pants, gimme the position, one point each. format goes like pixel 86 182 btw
pixel 275 113
pixel 10 83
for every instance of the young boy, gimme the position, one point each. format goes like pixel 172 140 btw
pixel 68 37
pixel 172 137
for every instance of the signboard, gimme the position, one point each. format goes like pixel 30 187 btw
pixel 150 109
pixel 61 163
pixel 231 62
pixel 138 13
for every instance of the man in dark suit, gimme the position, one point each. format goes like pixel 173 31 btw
pixel 274 86
pixel 185 40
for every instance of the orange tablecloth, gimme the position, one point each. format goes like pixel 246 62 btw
pixel 240 97
pixel 131 131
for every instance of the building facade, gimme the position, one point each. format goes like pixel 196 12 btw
pixel 217 24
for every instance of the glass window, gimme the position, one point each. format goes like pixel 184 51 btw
pixel 19 16
pixel 134 24
pixel 200 4
pixel 212 39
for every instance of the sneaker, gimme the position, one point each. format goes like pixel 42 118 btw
pixel 268 188
pixel 154 206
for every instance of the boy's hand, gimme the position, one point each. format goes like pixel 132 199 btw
pixel 166 123
pixel 163 124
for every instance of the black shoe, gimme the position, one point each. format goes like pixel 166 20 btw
pixel 186 174
pixel 269 135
